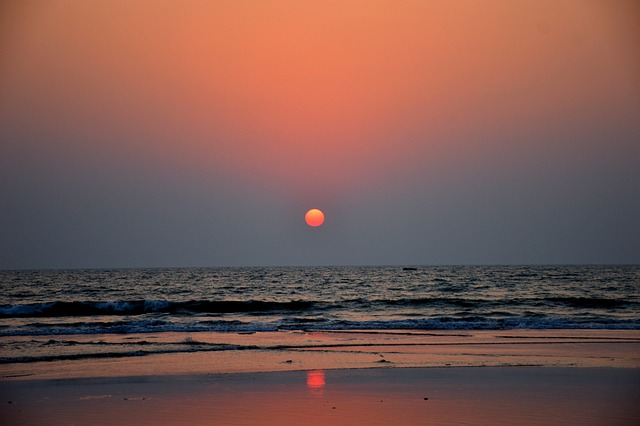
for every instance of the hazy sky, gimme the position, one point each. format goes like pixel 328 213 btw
pixel 198 133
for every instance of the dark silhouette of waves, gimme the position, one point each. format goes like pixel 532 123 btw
pixel 266 307
pixel 140 307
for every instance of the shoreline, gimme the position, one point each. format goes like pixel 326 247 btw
pixel 86 356
pixel 374 377
pixel 405 396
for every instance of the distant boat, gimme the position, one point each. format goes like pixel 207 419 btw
pixel 409 268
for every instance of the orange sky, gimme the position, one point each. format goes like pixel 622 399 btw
pixel 320 97
pixel 320 92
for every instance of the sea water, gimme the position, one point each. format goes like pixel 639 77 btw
pixel 42 310
pixel 63 302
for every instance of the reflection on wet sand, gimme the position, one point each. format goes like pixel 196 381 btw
pixel 315 382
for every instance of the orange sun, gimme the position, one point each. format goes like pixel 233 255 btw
pixel 314 217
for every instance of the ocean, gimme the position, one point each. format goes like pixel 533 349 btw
pixel 39 305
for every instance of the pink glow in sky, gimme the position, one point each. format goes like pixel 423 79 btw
pixel 492 131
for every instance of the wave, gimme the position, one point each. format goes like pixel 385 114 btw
pixel 589 302
pixel 262 307
pixel 139 307
pixel 472 322
pixel 437 301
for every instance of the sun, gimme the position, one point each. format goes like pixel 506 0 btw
pixel 314 217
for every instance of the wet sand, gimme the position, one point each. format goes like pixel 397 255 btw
pixel 517 377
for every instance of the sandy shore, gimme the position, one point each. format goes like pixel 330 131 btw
pixel 207 353
pixel 519 377
pixel 473 395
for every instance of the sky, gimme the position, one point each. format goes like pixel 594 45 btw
pixel 151 133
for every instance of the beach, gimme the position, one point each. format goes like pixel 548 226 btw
pixel 441 345
pixel 588 377
pixel 292 212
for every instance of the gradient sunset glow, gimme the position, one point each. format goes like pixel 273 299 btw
pixel 148 132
